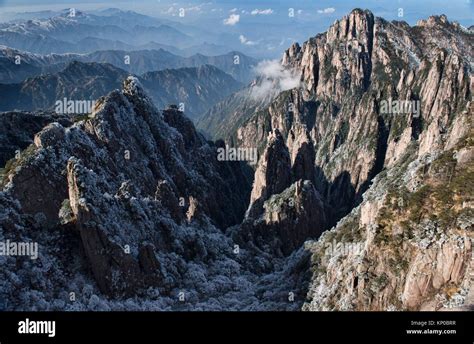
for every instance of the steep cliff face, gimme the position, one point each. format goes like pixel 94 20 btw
pixel 351 76
pixel 383 110
pixel 285 208
pixel 408 245
pixel 273 174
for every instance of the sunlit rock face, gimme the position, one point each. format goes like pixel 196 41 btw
pixel 382 105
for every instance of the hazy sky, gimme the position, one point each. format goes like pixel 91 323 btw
pixel 460 10
pixel 263 24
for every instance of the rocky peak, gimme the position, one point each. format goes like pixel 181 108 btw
pixel 17 130
pixel 273 173
pixel 348 74
pixel 118 177
pixel 357 27
pixel 133 89
pixel 434 20
pixel 287 219
pixel 343 55
pixel 302 156
pixel 292 53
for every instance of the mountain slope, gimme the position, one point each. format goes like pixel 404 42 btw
pixel 120 222
pixel 378 168
pixel 227 115
pixel 78 81
pixel 197 88
pixel 347 76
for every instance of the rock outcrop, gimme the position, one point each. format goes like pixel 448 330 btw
pixel 408 246
pixel 351 76
pixel 131 202
pixel 282 213
pixel 17 130
pixel 344 133
pixel 273 174
pixel 288 219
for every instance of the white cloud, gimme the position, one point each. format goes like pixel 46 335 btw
pixel 246 41
pixel 285 41
pixel 174 9
pixel 273 78
pixel 232 20
pixel 233 10
pixel 328 10
pixel 170 10
pixel 262 12
pixel 194 8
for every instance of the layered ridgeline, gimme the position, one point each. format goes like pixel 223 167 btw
pixel 128 208
pixel 370 157
pixel 380 134
pixel 196 89
pixel 71 30
pixel 17 65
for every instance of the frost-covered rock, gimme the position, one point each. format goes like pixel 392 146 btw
pixel 129 208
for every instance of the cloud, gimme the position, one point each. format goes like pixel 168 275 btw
pixel 170 10
pixel 232 20
pixel 233 10
pixel 273 79
pixel 328 10
pixel 174 8
pixel 285 41
pixel 246 41
pixel 194 8
pixel 261 12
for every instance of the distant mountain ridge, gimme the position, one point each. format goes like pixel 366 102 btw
pixel 79 32
pixel 140 62
pixel 195 87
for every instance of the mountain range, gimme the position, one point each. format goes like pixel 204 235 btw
pixel 75 31
pixel 360 198
pixel 136 62
pixel 196 88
